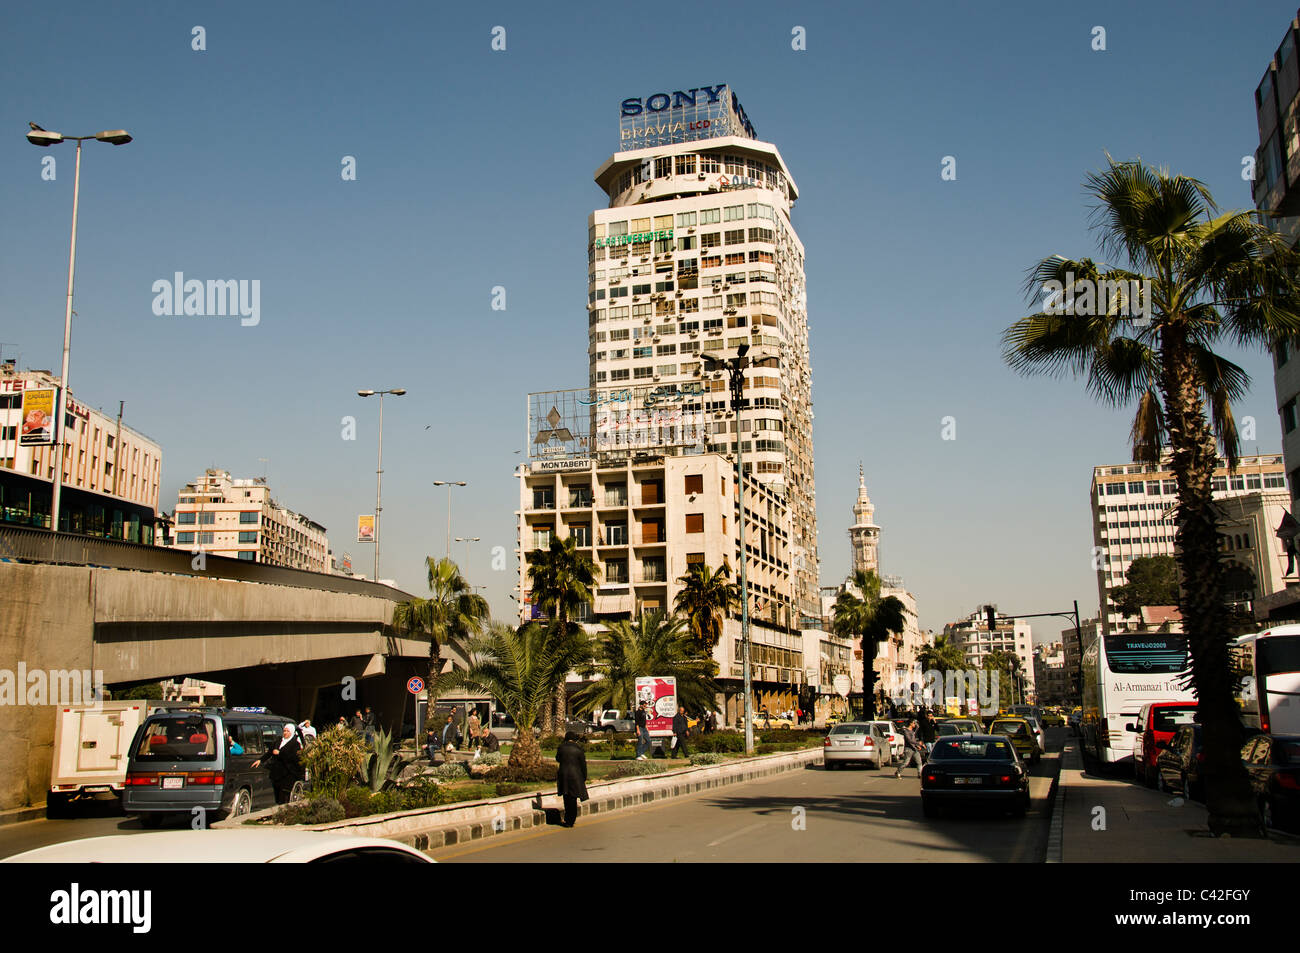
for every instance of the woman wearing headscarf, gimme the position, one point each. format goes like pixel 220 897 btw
pixel 283 763
pixel 571 778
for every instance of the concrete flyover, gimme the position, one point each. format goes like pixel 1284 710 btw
pixel 291 640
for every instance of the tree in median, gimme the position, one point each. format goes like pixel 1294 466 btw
pixel 1208 278
pixel 654 645
pixel 452 615
pixel 562 581
pixel 861 613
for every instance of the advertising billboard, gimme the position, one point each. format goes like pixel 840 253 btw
pixel 38 417
pixel 573 424
pixel 682 115
pixel 365 529
pixel 660 696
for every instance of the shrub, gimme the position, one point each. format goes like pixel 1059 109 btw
pixel 707 757
pixel 319 810
pixel 382 761
pixel 356 801
pixel 718 741
pixel 543 772
pixel 452 770
pixel 550 742
pixel 634 769
pixel 336 759
pixel 769 748
pixel 505 789
pixel 790 736
pixel 490 759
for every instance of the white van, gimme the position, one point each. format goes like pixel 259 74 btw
pixel 91 745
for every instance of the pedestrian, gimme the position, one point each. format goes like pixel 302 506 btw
pixel 911 750
pixel 308 732
pixel 343 722
pixel 641 719
pixel 431 743
pixel 490 742
pixel 449 735
pixel 283 763
pixel 368 725
pixel 571 776
pixel 358 723
pixel 928 731
pixel 681 730
pixel 474 725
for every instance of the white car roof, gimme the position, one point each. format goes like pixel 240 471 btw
pixel 216 847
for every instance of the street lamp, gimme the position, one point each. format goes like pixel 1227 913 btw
pixel 735 368
pixel 467 540
pixel 449 484
pixel 379 473
pixel 44 138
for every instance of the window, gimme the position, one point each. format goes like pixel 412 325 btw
pixel 1113 489
pixel 695 522
pixel 711 240
pixel 1253 481
pixel 185 538
pixel 1137 487
pixel 733 213
pixel 666 370
pixel 616 229
pixel 664 350
pixel 710 216
pixel 581 534
pixel 663 168
pixel 616 534
pixel 708 163
pixel 686 166
pixel 620 334
pixel 185 519
pixel 685 219
pixel 1218 484
pixel 734 236
pixel 616 570
pixel 619 375
pixel 761 235
pixel 1273 481
pixel 248 516
pixel 642 373
pixel 205 539
pixel 688 305
pixel 248 537
pixel 618 291
pixel 694 483
pixel 247 555
pixel 1289 415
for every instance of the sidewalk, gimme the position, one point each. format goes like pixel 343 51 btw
pixel 1141 825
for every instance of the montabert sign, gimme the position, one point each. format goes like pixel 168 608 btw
pixel 553 466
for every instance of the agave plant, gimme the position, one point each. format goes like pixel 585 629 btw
pixel 382 759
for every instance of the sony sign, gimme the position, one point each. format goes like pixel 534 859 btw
pixel 680 99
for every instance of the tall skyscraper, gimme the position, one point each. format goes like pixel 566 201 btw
pixel 696 252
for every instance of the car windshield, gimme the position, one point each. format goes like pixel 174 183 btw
pixel 1172 718
pixel 959 749
pixel 178 738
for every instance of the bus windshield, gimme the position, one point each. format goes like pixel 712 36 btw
pixel 1132 653
pixel 1278 654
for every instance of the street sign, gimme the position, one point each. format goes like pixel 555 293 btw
pixel 415 685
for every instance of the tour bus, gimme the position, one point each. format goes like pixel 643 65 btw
pixel 1121 673
pixel 1269 691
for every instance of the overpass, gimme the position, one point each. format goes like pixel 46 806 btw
pixel 303 644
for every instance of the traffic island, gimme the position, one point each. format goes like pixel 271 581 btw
pixel 445 825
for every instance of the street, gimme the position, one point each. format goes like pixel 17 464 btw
pixel 852 815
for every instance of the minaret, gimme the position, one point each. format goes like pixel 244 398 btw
pixel 864 534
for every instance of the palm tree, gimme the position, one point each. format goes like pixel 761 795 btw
pixel 1212 278
pixel 562 580
pixel 871 619
pixel 706 599
pixel 453 614
pixel 520 668
pixel 943 656
pixel 1008 666
pixel 653 645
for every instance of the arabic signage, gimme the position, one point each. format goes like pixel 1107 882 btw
pixel 564 425
pixel 38 417
pixel 660 696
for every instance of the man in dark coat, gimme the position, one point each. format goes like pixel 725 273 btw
pixel 571 779
pixel 681 729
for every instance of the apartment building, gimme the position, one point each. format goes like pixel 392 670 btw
pixel 110 471
pixel 1134 514
pixel 240 519
pixel 1012 636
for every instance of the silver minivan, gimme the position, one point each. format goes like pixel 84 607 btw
pixel 182 759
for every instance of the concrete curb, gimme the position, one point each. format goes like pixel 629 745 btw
pixel 22 814
pixel 430 828
pixel 1056 832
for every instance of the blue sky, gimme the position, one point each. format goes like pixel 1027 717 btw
pixel 474 170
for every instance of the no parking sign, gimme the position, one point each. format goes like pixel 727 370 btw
pixel 415 685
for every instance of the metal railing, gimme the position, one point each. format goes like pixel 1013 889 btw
pixel 22 544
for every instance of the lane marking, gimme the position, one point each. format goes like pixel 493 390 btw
pixel 743 830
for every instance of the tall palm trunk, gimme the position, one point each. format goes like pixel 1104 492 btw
pixel 525 753
pixel 869 651
pixel 1227 794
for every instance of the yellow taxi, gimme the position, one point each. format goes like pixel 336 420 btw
pixel 1021 734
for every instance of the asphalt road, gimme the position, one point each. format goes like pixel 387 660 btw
pixel 813 815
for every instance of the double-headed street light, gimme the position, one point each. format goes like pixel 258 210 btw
pixel 735 367
pixel 43 137
pixel 449 484
pixel 467 540
pixel 379 473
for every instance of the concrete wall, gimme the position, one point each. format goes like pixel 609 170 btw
pixel 273 645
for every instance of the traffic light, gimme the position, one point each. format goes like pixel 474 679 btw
pixel 992 617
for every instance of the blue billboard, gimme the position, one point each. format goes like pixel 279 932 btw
pixel 682 115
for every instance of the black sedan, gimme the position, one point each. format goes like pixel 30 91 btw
pixel 977 770
pixel 1273 763
pixel 1178 766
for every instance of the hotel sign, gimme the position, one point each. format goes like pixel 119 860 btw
pixel 663 233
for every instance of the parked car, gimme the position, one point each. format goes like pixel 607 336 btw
pixel 1022 736
pixel 1178 766
pixel 855 742
pixel 772 721
pixel 224 846
pixel 1273 763
pixel 1156 722
pixel 1037 725
pixel 612 719
pixel 974 769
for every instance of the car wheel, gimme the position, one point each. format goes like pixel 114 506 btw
pixel 828 765
pixel 243 804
